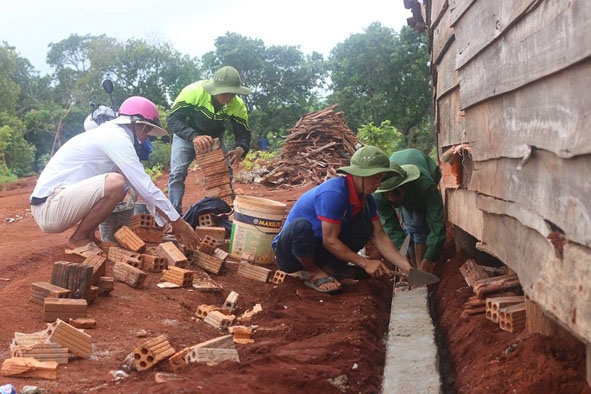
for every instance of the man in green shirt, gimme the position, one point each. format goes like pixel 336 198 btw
pixel 411 196
pixel 201 113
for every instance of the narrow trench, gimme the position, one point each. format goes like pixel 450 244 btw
pixel 446 367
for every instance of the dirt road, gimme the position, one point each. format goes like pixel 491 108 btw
pixel 304 341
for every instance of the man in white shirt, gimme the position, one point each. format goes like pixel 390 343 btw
pixel 87 177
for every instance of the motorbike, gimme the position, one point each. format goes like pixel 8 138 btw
pixel 102 113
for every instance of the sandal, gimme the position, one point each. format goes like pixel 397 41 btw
pixel 315 284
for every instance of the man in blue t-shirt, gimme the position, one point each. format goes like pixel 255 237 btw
pixel 330 223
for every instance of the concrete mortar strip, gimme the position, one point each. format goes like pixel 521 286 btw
pixel 411 352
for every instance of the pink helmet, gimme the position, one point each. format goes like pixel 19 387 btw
pixel 138 109
pixel 142 108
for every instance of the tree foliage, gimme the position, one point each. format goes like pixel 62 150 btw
pixel 385 136
pixel 378 77
pixel 282 80
pixel 382 75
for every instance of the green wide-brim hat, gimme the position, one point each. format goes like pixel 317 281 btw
pixel 403 174
pixel 367 161
pixel 226 80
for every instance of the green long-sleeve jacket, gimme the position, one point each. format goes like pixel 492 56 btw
pixel 194 113
pixel 423 196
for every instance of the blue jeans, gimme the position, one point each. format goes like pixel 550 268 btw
pixel 297 240
pixel 415 224
pixel 181 156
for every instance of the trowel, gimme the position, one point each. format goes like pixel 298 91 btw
pixel 416 277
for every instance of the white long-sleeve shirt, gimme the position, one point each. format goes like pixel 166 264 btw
pixel 107 148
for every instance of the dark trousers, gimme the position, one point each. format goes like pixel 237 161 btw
pixel 297 240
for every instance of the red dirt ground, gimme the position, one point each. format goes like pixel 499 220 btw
pixel 305 341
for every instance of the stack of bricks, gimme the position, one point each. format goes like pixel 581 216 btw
pixel 70 284
pixel 495 304
pixel 76 277
pixel 216 173
pixel 144 226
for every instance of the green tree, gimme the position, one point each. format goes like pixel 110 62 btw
pixel 381 75
pixel 282 79
pixel 17 155
pixel 385 137
pixel 9 88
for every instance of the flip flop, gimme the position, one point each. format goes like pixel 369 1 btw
pixel 87 250
pixel 315 284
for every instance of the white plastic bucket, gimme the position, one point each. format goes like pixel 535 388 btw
pixel 255 223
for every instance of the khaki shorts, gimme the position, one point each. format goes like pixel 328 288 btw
pixel 68 206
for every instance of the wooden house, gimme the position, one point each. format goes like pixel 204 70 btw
pixel 512 103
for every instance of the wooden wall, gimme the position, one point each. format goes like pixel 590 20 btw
pixel 512 79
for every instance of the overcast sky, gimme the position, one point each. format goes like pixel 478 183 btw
pixel 192 26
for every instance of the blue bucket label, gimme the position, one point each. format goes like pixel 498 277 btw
pixel 259 222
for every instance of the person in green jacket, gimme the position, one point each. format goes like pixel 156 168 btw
pixel 411 196
pixel 198 115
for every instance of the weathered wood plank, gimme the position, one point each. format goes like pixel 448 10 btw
pixel 561 286
pixel 483 23
pixel 551 187
pixel 556 121
pixel 451 129
pixel 438 7
pixel 443 33
pixel 457 8
pixel 447 76
pixel 463 212
pixel 522 214
pixel 552 37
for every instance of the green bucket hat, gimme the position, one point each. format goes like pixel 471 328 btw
pixel 226 80
pixel 368 161
pixel 403 174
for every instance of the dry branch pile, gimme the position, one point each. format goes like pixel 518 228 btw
pixel 317 145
